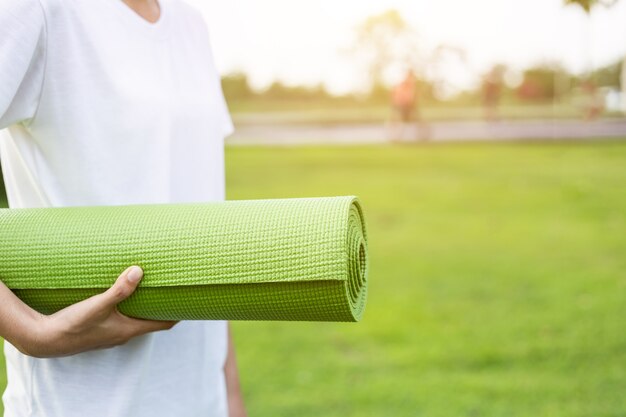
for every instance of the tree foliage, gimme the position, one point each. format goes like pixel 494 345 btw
pixel 540 83
pixel 587 5
pixel 383 40
pixel 237 87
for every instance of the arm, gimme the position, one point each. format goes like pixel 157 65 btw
pixel 236 406
pixel 94 323
pixel 22 59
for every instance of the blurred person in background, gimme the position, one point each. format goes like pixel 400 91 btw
pixel 594 100
pixel 109 103
pixel 492 89
pixel 623 85
pixel 406 111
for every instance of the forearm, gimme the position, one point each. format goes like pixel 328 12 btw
pixel 18 322
pixel 235 397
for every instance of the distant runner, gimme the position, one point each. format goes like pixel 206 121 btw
pixel 405 109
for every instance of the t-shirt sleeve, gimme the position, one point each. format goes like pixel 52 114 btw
pixel 22 59
pixel 226 121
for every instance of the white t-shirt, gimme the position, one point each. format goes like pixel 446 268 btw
pixel 104 108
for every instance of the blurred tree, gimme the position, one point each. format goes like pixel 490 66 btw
pixel 384 40
pixel 236 86
pixel 379 93
pixel 609 76
pixel 280 91
pixel 540 83
pixel 587 5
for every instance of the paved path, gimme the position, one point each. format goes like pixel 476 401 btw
pixel 439 132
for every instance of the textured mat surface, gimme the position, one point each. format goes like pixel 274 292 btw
pixel 291 259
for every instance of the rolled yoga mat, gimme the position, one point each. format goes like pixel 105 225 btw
pixel 289 259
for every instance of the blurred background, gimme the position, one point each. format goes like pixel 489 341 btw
pixel 486 140
pixel 329 72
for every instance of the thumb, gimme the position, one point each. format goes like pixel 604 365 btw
pixel 123 287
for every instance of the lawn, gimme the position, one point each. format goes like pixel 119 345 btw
pixel 498 283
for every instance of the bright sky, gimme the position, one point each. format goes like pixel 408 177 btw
pixel 304 42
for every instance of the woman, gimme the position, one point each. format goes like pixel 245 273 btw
pixel 111 102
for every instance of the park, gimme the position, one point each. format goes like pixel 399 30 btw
pixel 494 201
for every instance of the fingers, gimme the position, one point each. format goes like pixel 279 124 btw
pixel 148 326
pixel 123 287
pixel 95 322
pixel 137 327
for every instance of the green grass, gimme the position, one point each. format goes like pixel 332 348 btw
pixel 498 283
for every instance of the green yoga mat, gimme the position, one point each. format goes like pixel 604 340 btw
pixel 289 259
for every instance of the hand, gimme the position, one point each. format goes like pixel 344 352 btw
pixel 94 323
